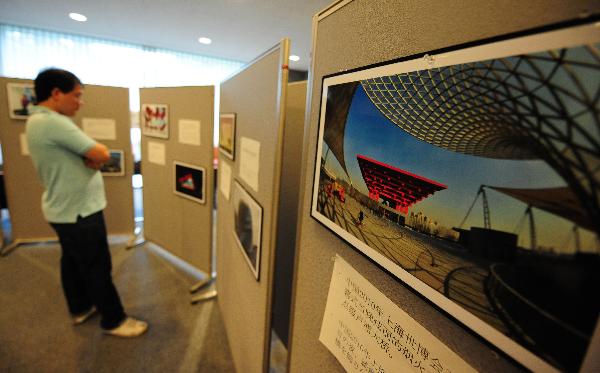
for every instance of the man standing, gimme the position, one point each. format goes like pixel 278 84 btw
pixel 67 163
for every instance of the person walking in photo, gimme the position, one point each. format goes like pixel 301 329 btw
pixel 361 216
pixel 67 163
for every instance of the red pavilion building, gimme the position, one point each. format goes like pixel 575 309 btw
pixel 399 188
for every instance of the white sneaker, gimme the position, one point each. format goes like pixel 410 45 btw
pixel 83 317
pixel 130 327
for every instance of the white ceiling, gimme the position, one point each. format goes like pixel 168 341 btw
pixel 240 29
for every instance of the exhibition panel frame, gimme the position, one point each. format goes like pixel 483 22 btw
pixel 177 132
pixel 23 189
pixel 102 102
pixel 288 208
pixel 247 205
pixel 397 67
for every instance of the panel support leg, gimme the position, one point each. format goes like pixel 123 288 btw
pixel 209 292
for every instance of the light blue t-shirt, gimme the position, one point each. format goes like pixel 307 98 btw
pixel 56 146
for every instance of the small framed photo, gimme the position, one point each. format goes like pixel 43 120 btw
pixel 21 98
pixel 189 181
pixel 247 227
pixel 155 120
pixel 116 165
pixel 227 135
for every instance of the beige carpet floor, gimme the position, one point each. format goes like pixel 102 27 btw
pixel 36 334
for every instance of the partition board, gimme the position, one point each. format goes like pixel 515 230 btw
pixel 180 225
pixel 353 34
pixel 23 188
pixel 288 207
pixel 257 96
pixel 101 102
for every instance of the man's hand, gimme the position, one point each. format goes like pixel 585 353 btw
pixel 98 153
pixel 96 156
pixel 92 164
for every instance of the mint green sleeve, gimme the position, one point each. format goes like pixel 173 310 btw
pixel 67 135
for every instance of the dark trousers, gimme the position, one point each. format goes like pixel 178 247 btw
pixel 85 268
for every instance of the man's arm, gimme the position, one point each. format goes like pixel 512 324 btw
pixel 98 154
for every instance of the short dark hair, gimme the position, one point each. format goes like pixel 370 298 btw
pixel 49 79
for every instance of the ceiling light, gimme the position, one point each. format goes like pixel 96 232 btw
pixel 204 40
pixel 77 17
pixel 294 58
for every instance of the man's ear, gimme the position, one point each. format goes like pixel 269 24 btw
pixel 55 93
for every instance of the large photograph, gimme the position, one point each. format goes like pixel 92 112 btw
pixel 247 227
pixel 474 177
pixel 21 98
pixel 190 181
pixel 155 120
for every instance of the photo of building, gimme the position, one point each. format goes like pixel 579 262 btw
pixel 462 177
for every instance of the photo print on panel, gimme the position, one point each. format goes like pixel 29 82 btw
pixel 115 165
pixel 155 120
pixel 21 99
pixel 473 176
pixel 189 181
pixel 247 226
pixel 227 135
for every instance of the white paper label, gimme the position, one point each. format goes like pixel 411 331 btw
pixel 24 145
pixel 189 131
pixel 156 153
pixel 224 178
pixel 249 162
pixel 100 129
pixel 366 331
